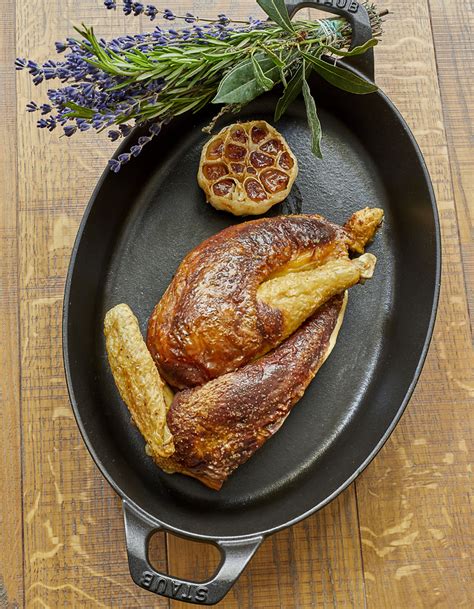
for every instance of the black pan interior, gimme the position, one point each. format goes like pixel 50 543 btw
pixel 144 220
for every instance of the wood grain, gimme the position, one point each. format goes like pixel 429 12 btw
pixel 453 31
pixel 400 538
pixel 73 528
pixel 11 547
pixel 316 563
pixel 413 500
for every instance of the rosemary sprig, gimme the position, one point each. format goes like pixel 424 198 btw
pixel 153 77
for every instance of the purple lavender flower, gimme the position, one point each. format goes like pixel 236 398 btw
pixel 60 46
pixel 125 129
pixel 124 157
pixel 168 15
pixel 151 11
pixel 156 85
pixel 155 128
pixel 135 150
pixel 137 8
pixel 223 19
pixel 20 63
pixel 114 135
pixel 45 108
pixel 51 123
pixel 115 165
pixel 110 4
pixel 42 123
pixel 31 106
pixel 127 7
pixel 82 124
pixel 49 70
pixel 190 18
pixel 33 67
pixel 88 89
pixel 70 130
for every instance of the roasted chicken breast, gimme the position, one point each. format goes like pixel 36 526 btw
pixel 249 318
pixel 243 291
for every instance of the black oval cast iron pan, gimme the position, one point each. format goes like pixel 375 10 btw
pixel 136 230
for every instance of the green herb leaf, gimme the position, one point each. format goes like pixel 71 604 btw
pixel 340 77
pixel 240 85
pixel 313 120
pixel 277 12
pixel 291 92
pixel 355 51
pixel 264 82
pixel 80 111
pixel 276 60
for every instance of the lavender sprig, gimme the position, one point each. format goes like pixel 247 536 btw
pixel 138 8
pixel 149 78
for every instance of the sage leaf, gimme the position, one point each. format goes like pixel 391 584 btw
pixel 264 82
pixel 340 77
pixel 291 92
pixel 355 51
pixel 278 13
pixel 313 120
pixel 240 85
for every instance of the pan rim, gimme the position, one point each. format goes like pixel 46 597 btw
pixel 375 450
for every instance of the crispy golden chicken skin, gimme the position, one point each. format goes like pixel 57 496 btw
pixel 210 430
pixel 220 425
pixel 246 323
pixel 241 292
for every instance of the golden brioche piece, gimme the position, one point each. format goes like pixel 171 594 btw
pixel 137 378
pixel 246 168
pixel 241 292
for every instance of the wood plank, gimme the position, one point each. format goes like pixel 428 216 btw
pixel 11 553
pixel 315 564
pixel 74 540
pixel 413 500
pixel 453 31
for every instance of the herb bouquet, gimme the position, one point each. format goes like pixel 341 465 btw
pixel 152 77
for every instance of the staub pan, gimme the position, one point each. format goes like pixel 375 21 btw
pixel 137 228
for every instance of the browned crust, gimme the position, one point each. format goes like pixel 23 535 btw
pixel 361 227
pixel 218 426
pixel 209 320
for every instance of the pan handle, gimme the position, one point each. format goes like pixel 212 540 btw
pixel 357 16
pixel 235 556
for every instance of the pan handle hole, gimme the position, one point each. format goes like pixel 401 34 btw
pixel 183 558
pixel 313 14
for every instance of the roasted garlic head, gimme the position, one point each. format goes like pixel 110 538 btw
pixel 247 168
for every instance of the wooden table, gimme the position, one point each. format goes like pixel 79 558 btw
pixel 397 538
